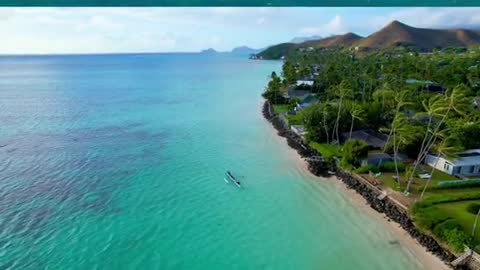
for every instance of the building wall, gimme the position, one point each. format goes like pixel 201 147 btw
pixel 445 166
pixel 441 164
pixel 468 170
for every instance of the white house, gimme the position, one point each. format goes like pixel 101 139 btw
pixel 467 163
pixel 305 82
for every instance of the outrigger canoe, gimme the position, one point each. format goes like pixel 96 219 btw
pixel 230 178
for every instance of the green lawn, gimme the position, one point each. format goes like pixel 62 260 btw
pixel 295 119
pixel 326 150
pixel 418 184
pixel 437 175
pixel 281 108
pixel 457 212
pixel 387 179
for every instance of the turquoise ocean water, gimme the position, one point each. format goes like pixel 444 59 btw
pixel 117 162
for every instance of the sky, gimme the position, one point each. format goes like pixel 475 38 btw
pixel 115 30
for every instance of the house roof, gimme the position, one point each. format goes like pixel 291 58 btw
pixel 374 156
pixel 467 158
pixel 378 159
pixel 410 81
pixel 309 99
pixel 427 85
pixel 301 94
pixel 373 139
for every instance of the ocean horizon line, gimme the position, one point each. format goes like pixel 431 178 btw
pixel 103 54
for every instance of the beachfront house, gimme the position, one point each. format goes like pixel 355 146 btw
pixel 296 93
pixel 467 163
pixel 373 139
pixel 304 82
pixel 299 130
pixel 305 103
pixel 427 86
pixel 377 159
pixel 307 81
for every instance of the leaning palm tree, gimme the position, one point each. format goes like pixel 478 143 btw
pixel 357 113
pixel 475 223
pixel 401 135
pixel 384 95
pixel 442 149
pixel 440 108
pixel 402 99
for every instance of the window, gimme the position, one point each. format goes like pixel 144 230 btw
pixel 446 166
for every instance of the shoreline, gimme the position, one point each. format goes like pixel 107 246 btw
pixel 408 243
pixel 428 252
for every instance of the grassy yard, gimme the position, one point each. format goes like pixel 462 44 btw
pixel 280 108
pixel 433 217
pixel 458 211
pixel 387 178
pixel 294 119
pixel 326 150
pixel 417 184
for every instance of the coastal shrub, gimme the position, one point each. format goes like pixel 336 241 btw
pixel 453 234
pixel 330 161
pixel 427 218
pixel 352 153
pixel 457 184
pixel 473 208
pixel 367 168
pixel 445 197
pixel 390 167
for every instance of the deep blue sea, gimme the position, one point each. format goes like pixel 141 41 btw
pixel 117 162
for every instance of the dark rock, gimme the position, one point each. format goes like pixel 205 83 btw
pixel 316 165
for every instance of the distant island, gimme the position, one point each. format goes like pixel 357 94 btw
pixel 393 35
pixel 240 51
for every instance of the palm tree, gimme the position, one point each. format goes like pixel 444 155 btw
pixel 442 149
pixel 343 91
pixel 357 113
pixel 325 115
pixel 402 99
pixel 384 95
pixel 439 107
pixel 401 134
pixel 475 222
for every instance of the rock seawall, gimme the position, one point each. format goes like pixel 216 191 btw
pixel 320 167
pixel 316 164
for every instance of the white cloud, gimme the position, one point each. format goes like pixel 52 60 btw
pixel 432 17
pixel 85 30
pixel 333 27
